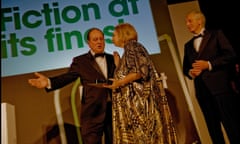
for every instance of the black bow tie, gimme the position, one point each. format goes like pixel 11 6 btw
pixel 195 37
pixel 99 55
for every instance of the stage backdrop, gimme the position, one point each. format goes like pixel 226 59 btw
pixel 46 34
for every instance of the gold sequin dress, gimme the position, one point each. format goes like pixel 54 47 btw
pixel 141 112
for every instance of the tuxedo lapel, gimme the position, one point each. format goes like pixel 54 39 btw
pixel 205 39
pixel 94 64
pixel 109 66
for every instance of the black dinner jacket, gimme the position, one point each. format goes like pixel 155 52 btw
pixel 216 49
pixel 94 99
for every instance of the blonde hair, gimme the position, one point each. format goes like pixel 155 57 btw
pixel 126 32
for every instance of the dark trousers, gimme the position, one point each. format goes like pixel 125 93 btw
pixel 219 109
pixel 108 124
pixel 95 136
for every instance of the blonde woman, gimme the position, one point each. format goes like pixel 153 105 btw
pixel 140 114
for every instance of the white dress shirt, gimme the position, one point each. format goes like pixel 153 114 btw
pixel 102 63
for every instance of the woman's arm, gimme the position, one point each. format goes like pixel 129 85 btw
pixel 126 80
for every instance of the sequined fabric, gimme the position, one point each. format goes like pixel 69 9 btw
pixel 141 113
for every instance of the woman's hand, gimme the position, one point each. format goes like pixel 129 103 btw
pixel 121 82
pixel 115 84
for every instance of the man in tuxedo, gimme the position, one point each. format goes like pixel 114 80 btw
pixel 96 102
pixel 207 59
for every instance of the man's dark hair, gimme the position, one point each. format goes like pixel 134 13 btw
pixel 92 29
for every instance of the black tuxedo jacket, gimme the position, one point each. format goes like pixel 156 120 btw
pixel 94 99
pixel 216 49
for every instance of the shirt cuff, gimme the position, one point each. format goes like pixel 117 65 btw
pixel 209 66
pixel 49 84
